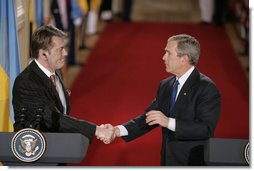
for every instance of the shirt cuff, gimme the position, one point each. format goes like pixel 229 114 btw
pixel 172 124
pixel 123 130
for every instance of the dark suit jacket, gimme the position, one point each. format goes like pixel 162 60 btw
pixel 33 90
pixel 196 111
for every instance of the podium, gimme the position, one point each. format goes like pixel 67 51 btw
pixel 226 152
pixel 60 148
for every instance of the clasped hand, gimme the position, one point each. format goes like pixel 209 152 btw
pixel 107 133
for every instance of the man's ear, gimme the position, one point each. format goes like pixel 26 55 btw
pixel 43 54
pixel 185 59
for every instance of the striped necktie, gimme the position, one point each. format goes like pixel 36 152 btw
pixel 53 79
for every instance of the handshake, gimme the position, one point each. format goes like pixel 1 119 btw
pixel 107 133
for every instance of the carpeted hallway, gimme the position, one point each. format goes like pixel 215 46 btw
pixel 121 76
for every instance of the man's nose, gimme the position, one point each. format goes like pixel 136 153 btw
pixel 65 53
pixel 164 57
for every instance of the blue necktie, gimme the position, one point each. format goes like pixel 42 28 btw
pixel 173 97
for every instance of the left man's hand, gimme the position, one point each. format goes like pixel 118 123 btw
pixel 105 133
pixel 156 117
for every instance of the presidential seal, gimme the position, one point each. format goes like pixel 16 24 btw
pixel 28 145
pixel 247 153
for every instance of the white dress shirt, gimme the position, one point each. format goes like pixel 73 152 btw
pixel 172 121
pixel 59 86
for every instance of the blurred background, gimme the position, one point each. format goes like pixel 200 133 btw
pixel 85 26
pixel 115 63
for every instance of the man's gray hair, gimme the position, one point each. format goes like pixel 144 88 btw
pixel 187 45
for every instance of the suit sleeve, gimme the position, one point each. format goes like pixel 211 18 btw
pixel 74 125
pixel 138 126
pixel 55 120
pixel 207 113
pixel 33 96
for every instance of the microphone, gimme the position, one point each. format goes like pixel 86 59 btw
pixel 38 117
pixel 22 116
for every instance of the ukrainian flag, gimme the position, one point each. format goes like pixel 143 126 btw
pixel 83 6
pixel 9 62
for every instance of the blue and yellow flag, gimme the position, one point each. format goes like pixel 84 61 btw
pixel 83 6
pixel 9 62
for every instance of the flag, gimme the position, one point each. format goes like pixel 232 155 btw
pixel 83 6
pixel 38 12
pixel 32 17
pixel 76 12
pixel 95 4
pixel 9 62
pixel 5 122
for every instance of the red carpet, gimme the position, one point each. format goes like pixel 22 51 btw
pixel 121 77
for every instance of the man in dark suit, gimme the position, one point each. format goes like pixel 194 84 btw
pixel 40 99
pixel 187 114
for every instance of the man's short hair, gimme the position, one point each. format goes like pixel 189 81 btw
pixel 42 39
pixel 187 45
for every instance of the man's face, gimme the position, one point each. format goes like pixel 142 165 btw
pixel 172 62
pixel 57 54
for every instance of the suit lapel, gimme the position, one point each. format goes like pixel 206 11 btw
pixel 65 92
pixel 166 96
pixel 186 89
pixel 47 83
pixel 43 77
pixel 56 95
